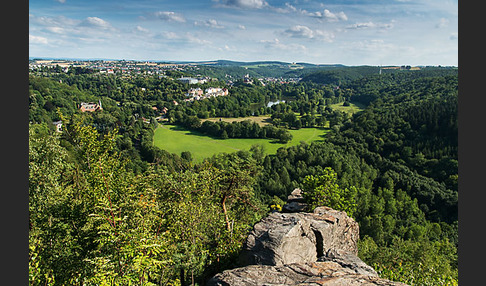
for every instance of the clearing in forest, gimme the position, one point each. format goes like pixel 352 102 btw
pixel 351 109
pixel 175 139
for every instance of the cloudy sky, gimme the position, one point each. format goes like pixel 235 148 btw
pixel 350 32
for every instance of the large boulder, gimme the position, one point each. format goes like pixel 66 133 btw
pixel 318 248
pixel 284 238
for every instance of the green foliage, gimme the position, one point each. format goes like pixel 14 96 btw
pixel 107 207
pixel 322 190
pixel 186 155
pixel 54 246
pixel 92 222
pixel 340 75
pixel 414 262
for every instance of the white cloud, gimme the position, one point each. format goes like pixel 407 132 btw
pixel 323 35
pixel 141 30
pixel 305 32
pixel 276 44
pixel 211 23
pixel 170 35
pixel 63 31
pixel 61 1
pixel 37 40
pixel 328 16
pixel 287 9
pixel 245 4
pixel 60 25
pixel 362 25
pixel 184 38
pixel 195 40
pixel 168 16
pixel 300 32
pixel 373 44
pixel 56 30
pixel 241 27
pixel 370 25
pixel 226 48
pixel 96 23
pixel 59 21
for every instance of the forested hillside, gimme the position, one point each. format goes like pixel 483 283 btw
pixel 108 207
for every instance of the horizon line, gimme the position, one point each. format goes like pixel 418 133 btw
pixel 219 60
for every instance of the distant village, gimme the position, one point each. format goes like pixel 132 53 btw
pixel 130 68
pixel 148 68
pixel 110 67
pixel 141 67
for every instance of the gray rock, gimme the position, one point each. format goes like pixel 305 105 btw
pixel 284 238
pixel 295 202
pixel 318 248
pixel 334 230
pixel 348 260
pixel 280 239
pixel 296 195
pixel 313 273
pixel 293 207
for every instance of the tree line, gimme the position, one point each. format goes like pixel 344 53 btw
pixel 235 129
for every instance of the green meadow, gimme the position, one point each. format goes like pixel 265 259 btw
pixel 175 139
pixel 351 109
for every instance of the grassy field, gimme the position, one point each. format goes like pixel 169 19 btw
pixel 351 109
pixel 175 139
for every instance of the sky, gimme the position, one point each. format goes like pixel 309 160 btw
pixel 349 32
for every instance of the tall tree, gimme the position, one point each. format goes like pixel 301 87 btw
pixel 322 190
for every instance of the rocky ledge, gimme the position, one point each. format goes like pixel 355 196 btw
pixel 303 274
pixel 300 248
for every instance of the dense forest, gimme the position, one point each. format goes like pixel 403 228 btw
pixel 108 207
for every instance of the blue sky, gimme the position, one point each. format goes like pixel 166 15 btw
pixel 366 32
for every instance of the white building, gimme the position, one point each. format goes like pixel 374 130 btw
pixel 188 80
pixel 216 91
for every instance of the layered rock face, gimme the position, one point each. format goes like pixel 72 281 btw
pixel 318 248
pixel 284 238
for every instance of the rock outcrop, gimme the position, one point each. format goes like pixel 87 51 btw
pixel 299 248
pixel 285 238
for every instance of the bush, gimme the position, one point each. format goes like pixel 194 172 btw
pixel 322 190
